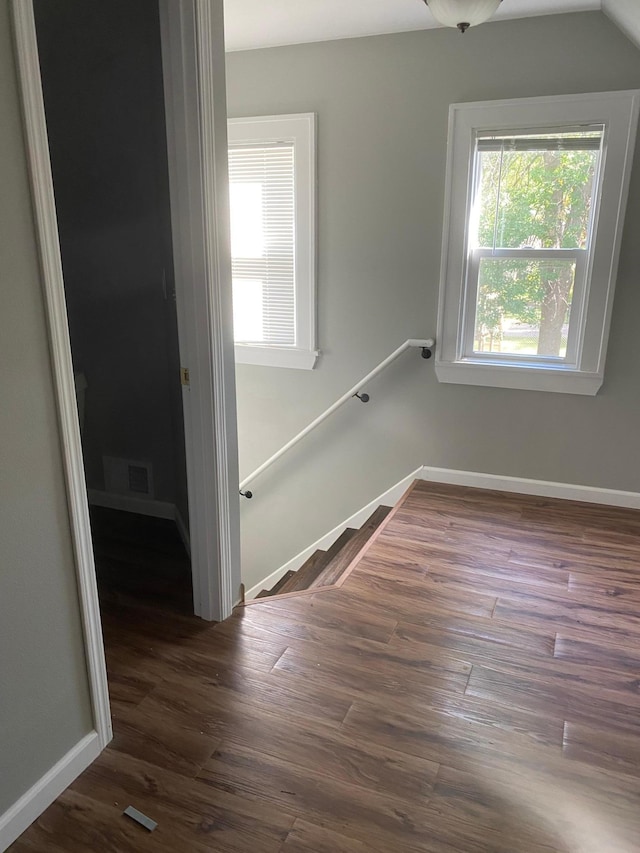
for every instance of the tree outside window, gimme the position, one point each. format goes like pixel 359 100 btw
pixel 530 200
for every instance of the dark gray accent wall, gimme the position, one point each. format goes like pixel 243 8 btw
pixel 382 106
pixel 102 79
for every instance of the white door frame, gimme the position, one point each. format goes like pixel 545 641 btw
pixel 44 207
pixel 201 240
pixel 195 104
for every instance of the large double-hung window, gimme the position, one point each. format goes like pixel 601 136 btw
pixel 272 202
pixel 537 190
pixel 532 227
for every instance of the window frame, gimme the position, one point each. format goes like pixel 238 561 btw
pixel 299 128
pixel 582 370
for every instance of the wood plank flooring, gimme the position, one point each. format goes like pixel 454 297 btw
pixel 473 687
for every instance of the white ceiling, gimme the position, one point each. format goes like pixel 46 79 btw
pixel 251 24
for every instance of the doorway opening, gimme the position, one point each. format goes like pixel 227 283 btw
pixel 102 78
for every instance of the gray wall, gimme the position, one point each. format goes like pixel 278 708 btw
pixel 44 696
pixel 382 107
pixel 102 77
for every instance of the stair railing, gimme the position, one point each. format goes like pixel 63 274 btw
pixel 426 347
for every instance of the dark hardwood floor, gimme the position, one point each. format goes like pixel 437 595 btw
pixel 473 687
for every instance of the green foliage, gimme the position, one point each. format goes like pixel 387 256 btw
pixel 537 200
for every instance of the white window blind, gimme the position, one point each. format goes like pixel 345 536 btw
pixel 262 199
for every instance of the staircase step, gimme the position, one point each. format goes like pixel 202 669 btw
pixel 307 573
pixel 340 543
pixel 314 566
pixel 276 588
pixel 344 555
pixel 325 568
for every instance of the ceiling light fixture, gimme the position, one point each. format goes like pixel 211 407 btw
pixel 462 13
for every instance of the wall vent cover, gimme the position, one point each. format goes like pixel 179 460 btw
pixel 138 479
pixel 128 476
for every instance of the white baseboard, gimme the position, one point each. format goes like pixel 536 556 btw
pixel 183 530
pixel 390 498
pixel 128 503
pixel 525 486
pixel 40 796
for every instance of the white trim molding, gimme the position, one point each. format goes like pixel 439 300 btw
pixel 496 375
pixel 195 100
pixel 37 146
pixel 47 789
pixel 526 486
pixel 388 498
pixel 300 359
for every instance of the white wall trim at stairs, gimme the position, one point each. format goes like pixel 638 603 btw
pixel 525 486
pixel 40 796
pixel 388 498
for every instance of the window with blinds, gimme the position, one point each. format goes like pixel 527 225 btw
pixel 262 199
pixel 272 178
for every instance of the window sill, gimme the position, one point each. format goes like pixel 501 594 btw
pixel 298 359
pixel 560 380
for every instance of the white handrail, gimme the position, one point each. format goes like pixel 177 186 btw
pixel 413 342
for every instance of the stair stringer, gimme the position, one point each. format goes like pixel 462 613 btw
pixel 390 498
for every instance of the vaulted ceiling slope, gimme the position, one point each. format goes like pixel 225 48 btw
pixel 252 24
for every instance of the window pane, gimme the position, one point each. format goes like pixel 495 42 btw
pixel 262 201
pixel 539 198
pixel 248 310
pixel 247 221
pixel 523 306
